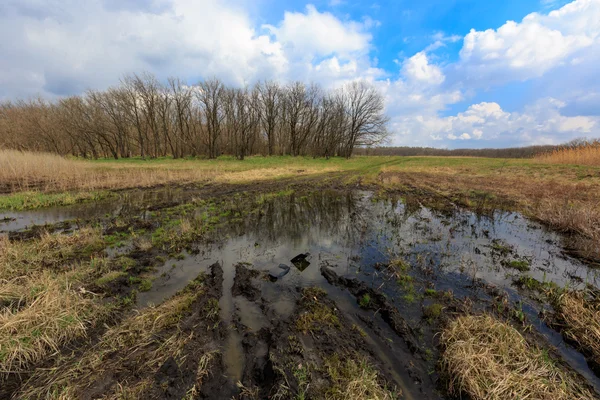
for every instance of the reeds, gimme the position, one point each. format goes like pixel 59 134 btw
pixel 488 359
pixel 43 172
pixel 583 154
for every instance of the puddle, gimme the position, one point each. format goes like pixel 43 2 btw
pixel 351 233
pixel 132 202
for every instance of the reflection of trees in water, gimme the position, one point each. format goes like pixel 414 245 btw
pixel 325 214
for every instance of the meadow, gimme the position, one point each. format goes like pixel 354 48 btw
pixel 328 278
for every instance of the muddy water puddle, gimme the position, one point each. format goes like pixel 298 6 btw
pixel 384 264
pixel 354 234
pixel 124 203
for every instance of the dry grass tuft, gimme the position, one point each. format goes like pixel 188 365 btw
pixel 355 379
pixel 580 317
pixel 585 154
pixel 53 314
pixel 50 251
pixel 488 359
pixel 42 295
pixel 141 340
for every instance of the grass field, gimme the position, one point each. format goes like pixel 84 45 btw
pixel 564 196
pixel 69 315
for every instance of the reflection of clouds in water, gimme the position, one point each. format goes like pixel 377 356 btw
pixel 334 227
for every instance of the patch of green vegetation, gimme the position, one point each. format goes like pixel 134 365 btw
pixel 430 292
pixel 302 375
pixel 266 197
pixel 211 309
pixel 501 247
pixel 527 282
pixel 409 298
pixel 365 301
pixel 519 265
pixel 317 315
pixel 432 311
pixel 110 277
pixel 354 378
pixel 518 313
pixel 399 265
pixel 33 200
pixel 145 285
pixel 360 331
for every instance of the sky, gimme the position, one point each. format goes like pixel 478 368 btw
pixel 455 73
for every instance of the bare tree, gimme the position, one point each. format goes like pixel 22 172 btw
pixel 367 122
pixel 210 95
pixel 269 100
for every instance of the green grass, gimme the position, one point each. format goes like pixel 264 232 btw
pixel 519 265
pixel 32 200
pixel 365 301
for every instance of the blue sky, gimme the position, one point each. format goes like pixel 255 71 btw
pixel 455 73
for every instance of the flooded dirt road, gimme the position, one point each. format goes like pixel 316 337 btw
pixel 308 276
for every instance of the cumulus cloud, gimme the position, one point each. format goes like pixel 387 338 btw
pixel 520 51
pixel 59 48
pixel 62 47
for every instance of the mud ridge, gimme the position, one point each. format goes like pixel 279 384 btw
pixel 379 303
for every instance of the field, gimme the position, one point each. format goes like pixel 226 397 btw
pixel 299 278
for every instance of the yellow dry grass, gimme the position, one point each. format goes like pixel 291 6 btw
pixel 56 314
pixel 23 171
pixel 588 154
pixel 51 250
pixel 43 297
pixel 355 379
pixel 488 359
pixel 580 318
pixel 139 340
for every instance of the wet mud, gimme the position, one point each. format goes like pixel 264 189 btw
pixel 299 281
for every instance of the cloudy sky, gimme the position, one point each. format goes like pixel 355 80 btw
pixel 455 73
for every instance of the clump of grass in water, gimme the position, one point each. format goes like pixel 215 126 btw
pixel 365 301
pixel 432 311
pixel 489 359
pixel 318 314
pixel 519 265
pixel 355 379
pixel 579 313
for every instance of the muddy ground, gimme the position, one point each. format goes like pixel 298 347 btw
pixel 295 290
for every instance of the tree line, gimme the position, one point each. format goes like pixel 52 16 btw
pixel 144 117
pixel 512 152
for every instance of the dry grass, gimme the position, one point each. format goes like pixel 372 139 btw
pixel 355 379
pixel 565 198
pixel 488 359
pixel 50 251
pixel 586 154
pixel 24 171
pixel 579 315
pixel 43 297
pixel 57 314
pixel 28 171
pixel 141 340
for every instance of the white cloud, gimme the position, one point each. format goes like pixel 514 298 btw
pixel 486 123
pixel 519 51
pixel 314 34
pixel 61 47
pixel 418 68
